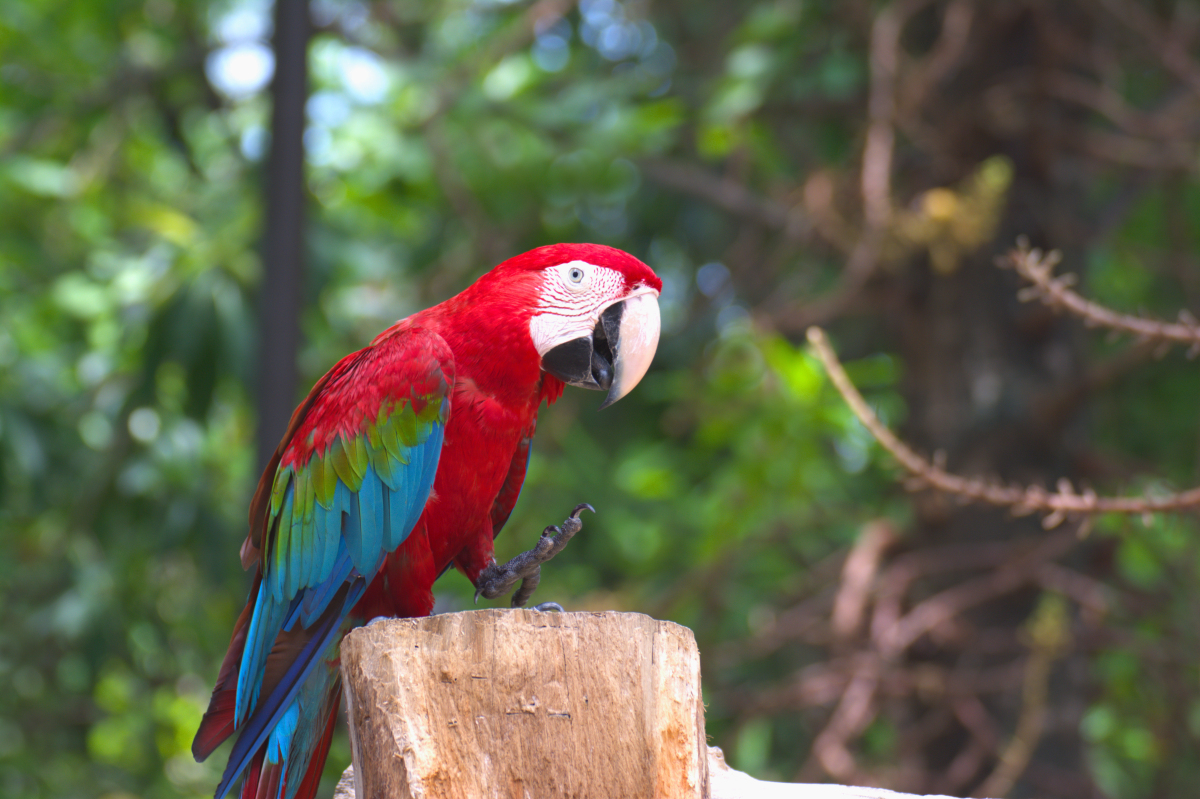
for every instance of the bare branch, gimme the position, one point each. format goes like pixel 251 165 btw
pixel 1170 123
pixel 940 608
pixel 875 181
pixel 1038 268
pixel 729 195
pixel 856 710
pixel 858 575
pixel 1022 500
pixel 1172 52
pixel 1049 638
pixel 1141 153
pixel 974 717
pixel 876 178
pixel 943 58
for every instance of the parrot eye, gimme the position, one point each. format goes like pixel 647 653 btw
pixel 575 275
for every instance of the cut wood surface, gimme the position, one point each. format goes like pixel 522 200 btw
pixel 727 783
pixel 516 703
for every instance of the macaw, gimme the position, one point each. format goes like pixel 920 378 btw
pixel 405 459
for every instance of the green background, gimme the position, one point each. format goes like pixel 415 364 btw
pixel 721 143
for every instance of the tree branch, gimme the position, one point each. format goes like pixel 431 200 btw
pixel 1171 51
pixel 1038 268
pixel 1022 500
pixel 729 195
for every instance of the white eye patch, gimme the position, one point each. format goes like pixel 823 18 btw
pixel 572 297
pixel 575 276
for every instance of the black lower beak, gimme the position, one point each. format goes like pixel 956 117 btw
pixel 588 361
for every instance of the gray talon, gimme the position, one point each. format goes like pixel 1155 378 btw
pixel 546 607
pixel 496 580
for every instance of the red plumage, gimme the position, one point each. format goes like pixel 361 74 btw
pixel 498 387
pixel 217 724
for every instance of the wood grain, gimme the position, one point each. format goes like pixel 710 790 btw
pixel 516 703
pixel 727 783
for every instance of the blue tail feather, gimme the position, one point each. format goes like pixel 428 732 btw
pixel 279 742
pixel 266 717
pixel 265 624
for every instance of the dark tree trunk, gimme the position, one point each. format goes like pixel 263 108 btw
pixel 283 245
pixel 981 365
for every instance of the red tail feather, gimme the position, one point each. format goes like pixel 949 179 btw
pixel 269 783
pixel 253 771
pixel 217 724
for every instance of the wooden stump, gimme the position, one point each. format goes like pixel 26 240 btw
pixel 516 703
pixel 726 783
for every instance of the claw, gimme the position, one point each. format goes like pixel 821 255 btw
pixel 498 579
pixel 545 607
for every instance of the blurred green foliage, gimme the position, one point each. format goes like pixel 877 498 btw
pixel 442 138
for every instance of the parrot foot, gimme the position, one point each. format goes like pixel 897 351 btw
pixel 497 580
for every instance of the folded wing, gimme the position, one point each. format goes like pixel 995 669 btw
pixel 345 487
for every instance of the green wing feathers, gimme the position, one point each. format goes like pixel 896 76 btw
pixel 374 466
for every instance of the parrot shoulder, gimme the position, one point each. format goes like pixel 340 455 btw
pixel 406 363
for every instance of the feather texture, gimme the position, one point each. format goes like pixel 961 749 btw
pixel 348 486
pixel 406 457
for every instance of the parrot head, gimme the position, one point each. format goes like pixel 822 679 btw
pixel 594 321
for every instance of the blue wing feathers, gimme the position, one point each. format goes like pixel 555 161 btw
pixel 306 561
pixel 318 556
pixel 318 598
pixel 334 544
pixel 353 535
pixel 399 502
pixel 370 533
pixel 395 510
pixel 316 565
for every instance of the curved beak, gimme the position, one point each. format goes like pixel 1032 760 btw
pixel 633 343
pixel 617 354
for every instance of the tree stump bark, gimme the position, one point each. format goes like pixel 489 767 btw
pixel 516 703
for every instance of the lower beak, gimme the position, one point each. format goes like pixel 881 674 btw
pixel 616 355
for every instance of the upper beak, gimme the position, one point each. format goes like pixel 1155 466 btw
pixel 616 355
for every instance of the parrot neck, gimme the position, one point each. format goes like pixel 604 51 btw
pixel 487 328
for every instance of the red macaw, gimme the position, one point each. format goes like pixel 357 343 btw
pixel 406 458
